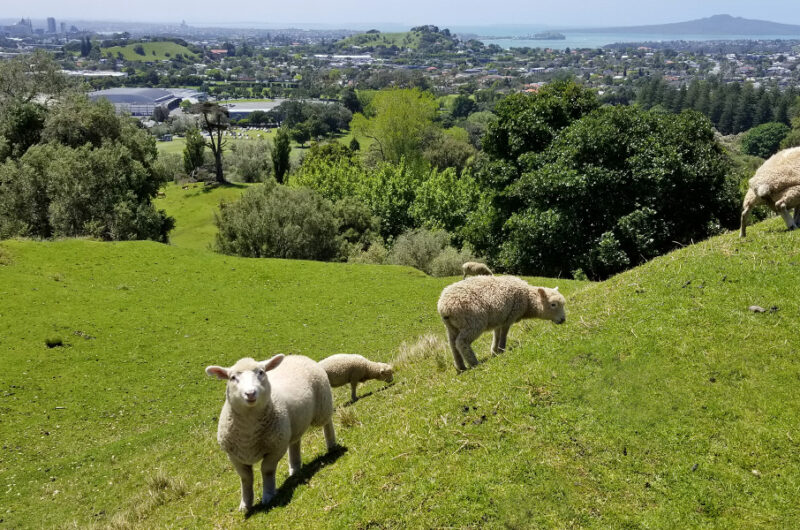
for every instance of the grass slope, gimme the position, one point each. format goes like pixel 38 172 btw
pixel 663 402
pixel 153 51
pixel 404 39
pixel 193 209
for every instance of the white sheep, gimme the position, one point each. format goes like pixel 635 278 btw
pixel 482 303
pixel 776 184
pixel 473 268
pixel 264 415
pixel 344 368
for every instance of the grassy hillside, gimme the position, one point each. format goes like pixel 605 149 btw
pixel 662 402
pixel 193 209
pixel 153 51
pixel 404 39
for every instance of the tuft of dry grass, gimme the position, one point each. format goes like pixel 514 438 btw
pixel 427 348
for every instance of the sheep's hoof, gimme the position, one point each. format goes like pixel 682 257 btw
pixel 244 507
pixel 266 498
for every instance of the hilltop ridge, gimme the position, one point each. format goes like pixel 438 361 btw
pixel 713 25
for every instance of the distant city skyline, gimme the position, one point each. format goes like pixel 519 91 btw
pixel 323 13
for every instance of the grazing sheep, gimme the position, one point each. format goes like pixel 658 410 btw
pixel 263 415
pixel 472 268
pixel 344 368
pixel 472 306
pixel 776 184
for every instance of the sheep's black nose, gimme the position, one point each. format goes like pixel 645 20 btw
pixel 250 395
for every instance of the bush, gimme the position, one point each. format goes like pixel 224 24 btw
pixel 616 188
pixel 250 161
pixel 764 141
pixel 429 251
pixel 790 140
pixel 449 261
pixel 376 254
pixel 273 221
pixel 95 174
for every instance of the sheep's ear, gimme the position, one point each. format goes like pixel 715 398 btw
pixel 542 293
pixel 273 363
pixel 217 371
pixel 556 288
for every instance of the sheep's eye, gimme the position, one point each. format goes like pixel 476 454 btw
pixel 234 378
pixel 260 372
pixel 553 304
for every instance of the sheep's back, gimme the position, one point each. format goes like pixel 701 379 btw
pixel 340 367
pixel 489 298
pixel 781 170
pixel 302 388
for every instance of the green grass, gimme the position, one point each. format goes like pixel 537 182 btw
pixel 662 402
pixel 177 144
pixel 193 209
pixel 161 50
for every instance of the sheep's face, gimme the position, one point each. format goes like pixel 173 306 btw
pixel 248 384
pixel 386 373
pixel 552 305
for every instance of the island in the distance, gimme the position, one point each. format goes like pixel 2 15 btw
pixel 546 35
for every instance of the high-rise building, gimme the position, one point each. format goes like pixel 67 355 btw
pixel 51 25
pixel 63 27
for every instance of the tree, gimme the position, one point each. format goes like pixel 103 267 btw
pixel 462 107
pixel 399 120
pixel 300 133
pixel 160 114
pixel 615 188
pixel 92 174
pixel 214 120
pixel 193 151
pixel 280 154
pixel 764 140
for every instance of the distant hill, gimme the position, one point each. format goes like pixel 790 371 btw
pixel 153 51
pixel 428 39
pixel 714 25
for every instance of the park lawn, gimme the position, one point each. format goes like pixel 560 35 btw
pixel 177 144
pixel 193 206
pixel 662 402
pixel 153 51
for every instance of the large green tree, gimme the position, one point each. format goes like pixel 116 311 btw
pixel 398 121
pixel 193 151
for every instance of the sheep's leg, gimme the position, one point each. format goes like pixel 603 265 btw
pixel 330 435
pixel 503 338
pixel 452 333
pixel 750 201
pixel 496 339
pixel 464 344
pixel 353 385
pixel 268 466
pixel 295 460
pixel 246 474
pixel 797 217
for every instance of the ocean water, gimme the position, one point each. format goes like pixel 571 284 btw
pixel 598 40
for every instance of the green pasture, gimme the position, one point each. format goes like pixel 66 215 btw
pixel 663 402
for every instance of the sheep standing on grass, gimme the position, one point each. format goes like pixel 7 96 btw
pixel 472 268
pixel 472 306
pixel 344 368
pixel 776 184
pixel 268 407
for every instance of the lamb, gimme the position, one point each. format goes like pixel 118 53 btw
pixel 344 368
pixel 472 306
pixel 263 415
pixel 776 184
pixel 473 268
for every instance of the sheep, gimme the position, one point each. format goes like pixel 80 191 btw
pixel 264 415
pixel 472 268
pixel 481 303
pixel 344 368
pixel 776 184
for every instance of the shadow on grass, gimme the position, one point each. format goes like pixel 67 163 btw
pixel 359 398
pixel 285 493
pixel 227 185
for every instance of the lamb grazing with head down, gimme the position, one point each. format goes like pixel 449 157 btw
pixel 344 368
pixel 776 184
pixel 473 268
pixel 482 303
pixel 268 406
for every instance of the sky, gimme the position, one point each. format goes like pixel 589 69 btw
pixel 351 13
